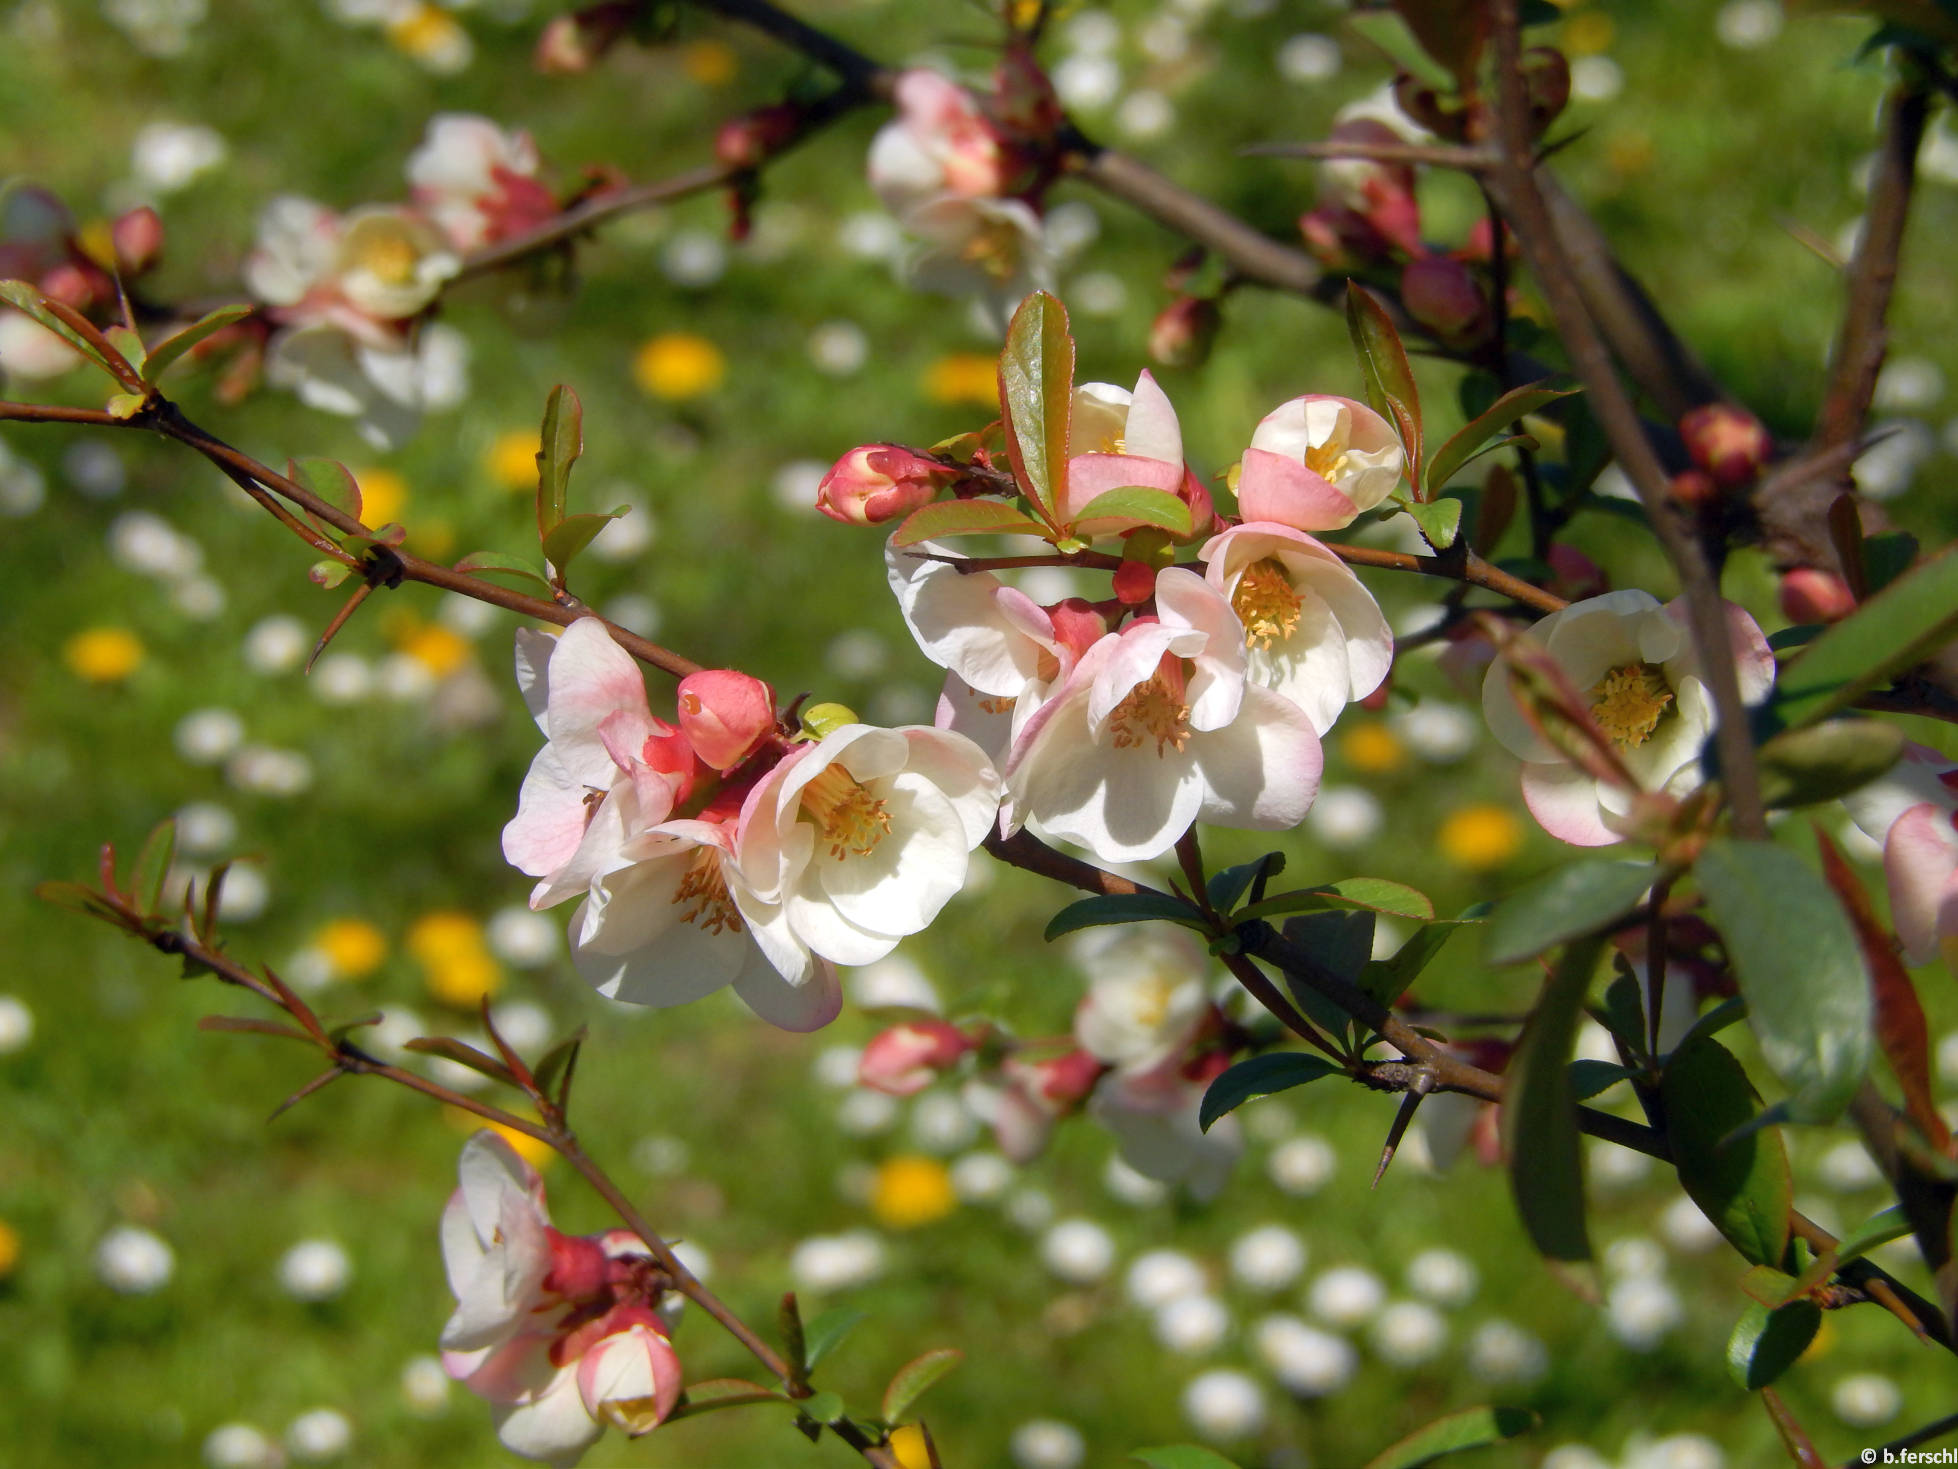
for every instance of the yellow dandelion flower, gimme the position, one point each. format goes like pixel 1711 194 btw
pixel 911 1191
pixel 711 63
pixel 353 946
pixel 1588 33
pixel 441 650
pixel 432 36
pixel 459 970
pixel 908 1447
pixel 963 377
pixel 103 654
pixel 9 1249
pixel 677 365
pixel 512 459
pixel 1372 749
pixel 537 1154
pixel 1480 837
pixel 382 494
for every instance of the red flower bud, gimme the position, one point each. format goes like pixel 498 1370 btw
pixel 880 482
pixel 908 1058
pixel 1694 488
pixel 748 140
pixel 1183 331
pixel 1729 443
pixel 1810 594
pixel 138 237
pixel 1135 583
pixel 1443 296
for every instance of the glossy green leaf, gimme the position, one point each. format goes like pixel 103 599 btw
pixel 1472 1428
pixel 1036 393
pixel 328 573
pixel 1261 1076
pixel 1339 938
pixel 1539 1114
pixel 330 480
pixel 497 563
pixel 1578 898
pixel 152 867
pixel 1124 908
pixel 1462 446
pixel 560 440
pixel 1766 1343
pixel 1387 979
pixel 1115 511
pixel 1823 762
pixel 826 1333
pixel 572 534
pixel 1879 1229
pixel 1181 1456
pixel 1897 628
pixel 1227 886
pixel 167 351
pixel 1741 1184
pixel 1383 368
pixel 1589 1078
pixel 1440 520
pixel 915 1378
pixel 943 519
pixel 1375 893
pixel 1726 1013
pixel 1800 971
pixel 130 345
pixel 824 1407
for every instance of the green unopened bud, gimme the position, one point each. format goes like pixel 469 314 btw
pixel 819 720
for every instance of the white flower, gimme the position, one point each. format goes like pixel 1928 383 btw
pixel 1046 1443
pixel 1312 632
pixel 1223 1405
pixel 134 1262
pixel 1079 1251
pixel 1409 1334
pixel 1268 1258
pixel 468 171
pixel 1160 1276
pixel 1192 1325
pixel 1633 661
pixel 1308 1362
pixel 1317 461
pixel 1301 1166
pixel 495 1245
pixel 991 249
pixel 29 350
pixel 938 144
pixel 1137 1018
pixel 825 1263
pixel 1346 1295
pixel 315 1270
pixel 1154 1119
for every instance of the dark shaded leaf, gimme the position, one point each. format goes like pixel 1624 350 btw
pixel 1589 1078
pixel 1181 1456
pixel 1539 1114
pixel 823 1407
pixel 561 439
pixel 943 519
pixel 1472 1428
pixel 1741 1184
pixel 560 1061
pixel 1125 908
pixel 463 1054
pixel 1765 1343
pixel 1375 893
pixel 1260 1076
pixel 1226 887
pixel 1799 968
pixel 1387 979
pixel 1036 392
pixel 167 351
pixel 915 1378
pixel 1461 447
pixel 1582 897
pixel 1823 762
pixel 1339 938
pixel 1887 557
pixel 1879 1229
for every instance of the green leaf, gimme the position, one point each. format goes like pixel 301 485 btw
pixel 1741 1184
pixel 573 533
pixel 1383 368
pixel 1727 1012
pixel 496 563
pixel 1452 456
pixel 823 1407
pixel 78 899
pixel 1879 1229
pixel 329 480
pixel 560 441
pixel 1472 1428
pixel 28 298
pixel 1125 908
pixel 152 867
pixel 1036 394
pixel 1801 767
pixel 1375 893
pixel 1589 1078
pixel 1623 1012
pixel 1766 1343
pixel 1387 979
pixel 167 351
pixel 1115 511
pixel 1181 1456
pixel 1800 971
pixel 1339 938
pixel 718 1393
pixel 463 1054
pixel 1887 557
pixel 1261 1076
pixel 1226 887
pixel 825 1334
pixel 943 519
pixel 1539 1113
pixel 329 574
pixel 915 1378
pixel 560 1060
pixel 1439 519
pixel 1566 903
pixel 1894 630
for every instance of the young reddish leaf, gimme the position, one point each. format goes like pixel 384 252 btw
pixel 915 1378
pixel 1900 1028
pixel 73 328
pixel 463 1054
pixel 560 441
pixel 560 1061
pixel 328 574
pixel 1383 367
pixel 1801 1452
pixel 1463 446
pixel 946 518
pixel 167 351
pixel 78 899
pixel 1539 1115
pixel 1472 1428
pixel 1036 394
pixel 496 563
pixel 1115 512
pixel 1741 1183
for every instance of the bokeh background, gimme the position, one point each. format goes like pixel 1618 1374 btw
pixel 181 1282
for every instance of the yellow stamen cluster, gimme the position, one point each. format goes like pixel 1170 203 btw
pixel 994 249
pixel 849 817
pixel 389 258
pixel 1629 702
pixel 1266 603
pixel 1151 711
pixel 1328 461
pixel 704 891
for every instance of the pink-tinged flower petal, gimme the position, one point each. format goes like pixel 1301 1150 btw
pixel 551 817
pixel 1216 684
pixel 1564 801
pixel 591 678
pixel 801 1008
pixel 631 1379
pixel 1159 1136
pixel 1910 782
pixel 1090 475
pixel 899 887
pixel 1153 431
pixel 1261 770
pixel 552 1425
pixel 495 1244
pixel 633 940
pixel 1272 488
pixel 1920 863
pixel 907 1058
pixel 1121 661
pixel 991 636
pixel 725 715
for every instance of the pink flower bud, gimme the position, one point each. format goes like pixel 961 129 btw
pixel 631 1378
pixel 1135 583
pixel 1057 1083
pixel 879 482
pixel 1729 443
pixel 1810 594
pixel 579 1267
pixel 725 715
pixel 1443 296
pixel 138 237
pixel 1575 576
pixel 1694 488
pixel 570 45
pixel 748 140
pixel 907 1058
pixel 1183 331
pixel 70 284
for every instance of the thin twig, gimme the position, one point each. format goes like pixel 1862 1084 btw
pixel 1446 155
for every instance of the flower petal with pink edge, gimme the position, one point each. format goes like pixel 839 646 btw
pixel 1273 488
pixel 1920 863
pixel 631 1379
pixel 1260 771
pixel 725 715
pixel 795 1007
pixel 992 636
pixel 1564 801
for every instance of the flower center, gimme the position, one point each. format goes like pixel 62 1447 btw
pixel 1266 603
pixel 1629 702
pixel 1152 711
pixel 1327 460
pixel 390 258
pixel 849 817
pixel 994 249
pixel 704 891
